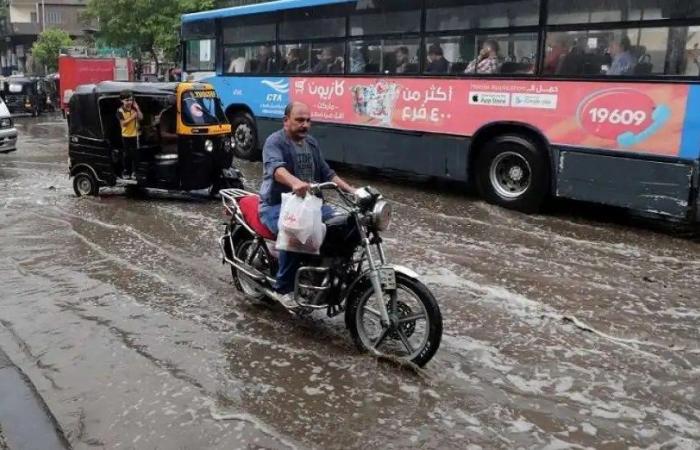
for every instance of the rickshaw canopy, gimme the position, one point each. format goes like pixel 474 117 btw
pixel 85 111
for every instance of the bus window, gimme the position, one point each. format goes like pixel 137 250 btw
pixel 689 43
pixel 636 52
pixel 200 54
pixel 250 59
pixel 385 16
pixel 452 15
pixel 319 22
pixel 384 56
pixel 599 11
pixel 327 58
pixel 484 54
pixel 235 31
pixel 295 58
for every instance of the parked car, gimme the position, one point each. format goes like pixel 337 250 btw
pixel 8 132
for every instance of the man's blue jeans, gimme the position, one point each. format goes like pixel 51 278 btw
pixel 289 262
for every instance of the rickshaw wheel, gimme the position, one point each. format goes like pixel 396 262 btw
pixel 84 183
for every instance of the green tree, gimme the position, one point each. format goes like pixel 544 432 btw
pixel 47 47
pixel 143 25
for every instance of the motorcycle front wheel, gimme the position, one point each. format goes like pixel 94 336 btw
pixel 415 330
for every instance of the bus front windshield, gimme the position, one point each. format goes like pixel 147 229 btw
pixel 202 108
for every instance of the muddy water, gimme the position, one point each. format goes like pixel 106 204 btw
pixel 560 331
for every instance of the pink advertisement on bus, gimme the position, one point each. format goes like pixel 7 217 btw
pixel 642 118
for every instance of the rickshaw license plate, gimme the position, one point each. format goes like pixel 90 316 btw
pixel 387 277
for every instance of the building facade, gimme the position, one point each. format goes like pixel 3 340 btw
pixel 21 21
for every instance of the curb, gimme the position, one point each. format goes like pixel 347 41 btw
pixel 25 420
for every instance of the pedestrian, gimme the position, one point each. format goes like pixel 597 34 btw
pixel 129 115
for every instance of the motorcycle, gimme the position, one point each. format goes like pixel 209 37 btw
pixel 387 309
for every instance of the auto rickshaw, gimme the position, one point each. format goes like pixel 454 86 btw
pixel 197 155
pixel 25 95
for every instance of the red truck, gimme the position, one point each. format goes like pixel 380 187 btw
pixel 77 70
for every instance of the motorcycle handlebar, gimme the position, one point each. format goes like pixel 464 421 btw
pixel 322 186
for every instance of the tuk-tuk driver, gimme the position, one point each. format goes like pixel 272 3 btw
pixel 129 116
pixel 292 160
pixel 167 130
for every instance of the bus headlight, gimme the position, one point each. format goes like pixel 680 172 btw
pixel 209 145
pixel 381 215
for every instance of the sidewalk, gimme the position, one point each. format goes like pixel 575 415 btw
pixel 25 421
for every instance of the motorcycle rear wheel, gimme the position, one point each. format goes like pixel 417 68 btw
pixel 243 282
pixel 417 330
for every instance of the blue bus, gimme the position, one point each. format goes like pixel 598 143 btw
pixel 595 101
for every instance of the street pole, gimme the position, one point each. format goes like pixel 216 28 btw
pixel 43 16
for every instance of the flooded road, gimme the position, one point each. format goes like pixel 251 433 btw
pixel 560 331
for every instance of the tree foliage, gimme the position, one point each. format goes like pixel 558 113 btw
pixel 143 25
pixel 47 47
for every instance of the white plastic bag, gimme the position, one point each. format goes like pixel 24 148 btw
pixel 301 228
pixel 298 215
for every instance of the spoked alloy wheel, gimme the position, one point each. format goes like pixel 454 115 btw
pixel 243 282
pixel 416 323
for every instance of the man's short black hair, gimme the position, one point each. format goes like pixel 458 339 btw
pixel 435 49
pixel 288 109
pixel 625 43
pixel 125 94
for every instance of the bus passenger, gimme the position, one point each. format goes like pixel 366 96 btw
pixel 237 65
pixel 328 62
pixel 358 59
pixel 293 62
pixel 556 55
pixel 622 60
pixel 487 59
pixel 265 61
pixel 402 60
pixel 436 61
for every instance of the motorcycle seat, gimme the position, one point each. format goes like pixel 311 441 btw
pixel 250 206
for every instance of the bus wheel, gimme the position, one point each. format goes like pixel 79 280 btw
pixel 513 172
pixel 245 136
pixel 84 183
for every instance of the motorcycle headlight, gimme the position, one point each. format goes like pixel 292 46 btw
pixel 209 145
pixel 381 215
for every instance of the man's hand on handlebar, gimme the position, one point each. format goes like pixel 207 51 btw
pixel 300 188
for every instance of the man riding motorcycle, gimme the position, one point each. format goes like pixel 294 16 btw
pixel 292 160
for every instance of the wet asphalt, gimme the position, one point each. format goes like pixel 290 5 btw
pixel 576 328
